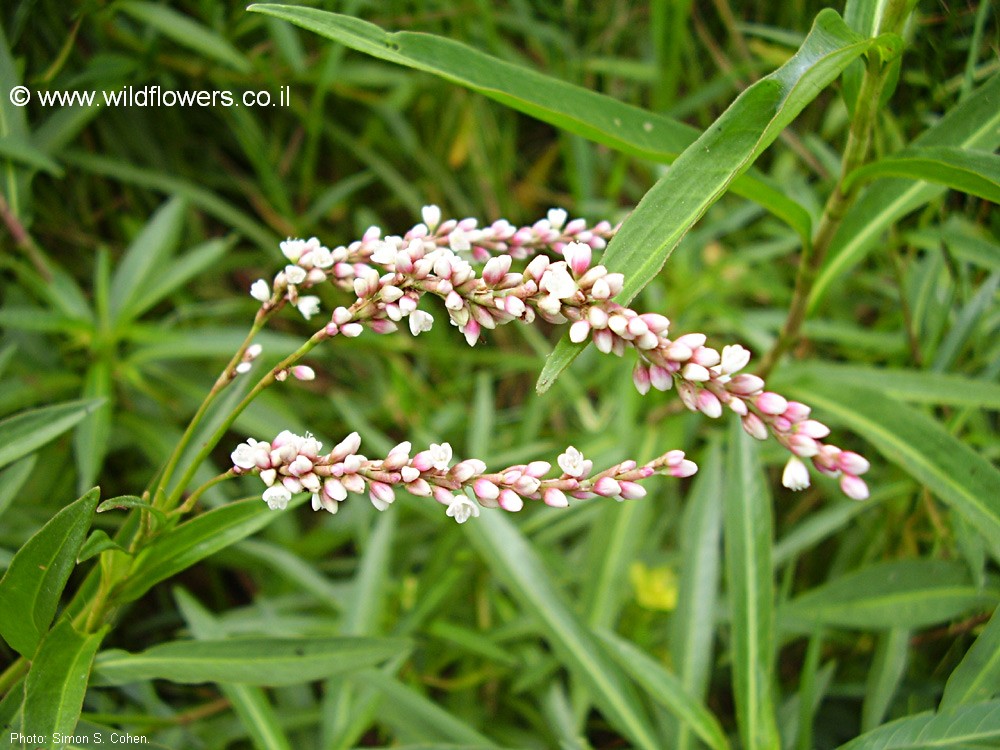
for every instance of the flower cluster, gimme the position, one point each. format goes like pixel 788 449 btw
pixel 291 463
pixel 390 276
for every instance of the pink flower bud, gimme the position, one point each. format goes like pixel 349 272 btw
pixel 346 447
pixel 419 487
pixel 304 372
pixel 660 378
pixel 803 445
pixel 383 326
pixel 334 489
pixel 353 483
pixel 471 331
pixel 442 495
pixel 600 290
pixel 631 490
pixel 555 498
pixel 812 428
pixel 771 403
pixel 695 373
pixel 853 463
pixel 510 501
pixel 597 318
pixel 684 469
pixel 640 377
pixel 579 331
pixel 351 330
pixel 678 352
pixel 745 384
pixel 604 340
pixel 538 469
pixel 607 487
pixel 854 487
pixel 301 465
pixel 485 489
pixel 709 404
pixel 656 323
pixel 754 426
pixel 618 324
pixel 578 256
pixel 706 356
pixel 796 411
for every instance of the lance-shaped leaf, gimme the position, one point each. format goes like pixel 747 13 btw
pixel 977 676
pixel 973 172
pixel 29 430
pixel 57 682
pixel 31 588
pixel 707 168
pixel 972 726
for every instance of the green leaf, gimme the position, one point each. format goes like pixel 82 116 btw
pixel 916 386
pixel 513 560
pixel 666 689
pixel 186 32
pixel 19 150
pixel 250 661
pixel 249 702
pixel 90 440
pixel 880 596
pixel 972 124
pixel 692 625
pixel 706 169
pixel 146 258
pixel 57 682
pixel 96 543
pixel 965 727
pixel 884 675
pixel 747 535
pixel 918 445
pixel 28 431
pixel 572 108
pixel 193 541
pixel 977 676
pixel 33 583
pixel 13 478
pixel 973 172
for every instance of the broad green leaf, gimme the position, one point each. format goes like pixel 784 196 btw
pixel 692 625
pixel 972 124
pixel 57 682
pixel 572 108
pixel 33 583
pixel 96 543
pixel 147 257
pixel 965 727
pixel 13 478
pixel 250 661
pixel 666 689
pixel 977 676
pixel 514 562
pixel 747 534
pixel 916 386
pixel 880 596
pixel 707 168
pixel 90 439
pixel 973 172
pixel 27 431
pixel 186 32
pixel 193 541
pixel 250 702
pixel 918 445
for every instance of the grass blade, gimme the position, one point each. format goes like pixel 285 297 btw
pixel 977 676
pixel 27 431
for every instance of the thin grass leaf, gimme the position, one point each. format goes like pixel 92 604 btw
pixel 57 682
pixel 32 586
pixel 888 666
pixel 514 562
pixel 974 172
pixel 12 479
pixel 747 535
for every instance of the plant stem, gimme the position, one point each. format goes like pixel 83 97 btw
pixel 193 498
pixel 220 432
pixel 224 379
pixel 12 675
pixel 855 153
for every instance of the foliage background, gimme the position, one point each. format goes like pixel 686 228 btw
pixel 366 142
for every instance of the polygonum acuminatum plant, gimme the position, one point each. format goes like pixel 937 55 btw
pixel 487 277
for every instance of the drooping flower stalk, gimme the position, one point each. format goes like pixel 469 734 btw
pixel 291 464
pixel 390 275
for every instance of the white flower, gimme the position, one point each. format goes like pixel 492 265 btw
pixel 458 240
pixel 557 217
pixel 420 321
pixel 295 274
pixel 384 254
pixel 260 290
pixel 573 463
pixel 244 455
pixel 440 455
pixel 734 359
pixel 557 281
pixel 308 305
pixel 243 367
pixel 462 509
pixel 293 249
pixel 795 475
pixel 321 257
pixel 277 497
pixel 324 502
pixel 431 216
